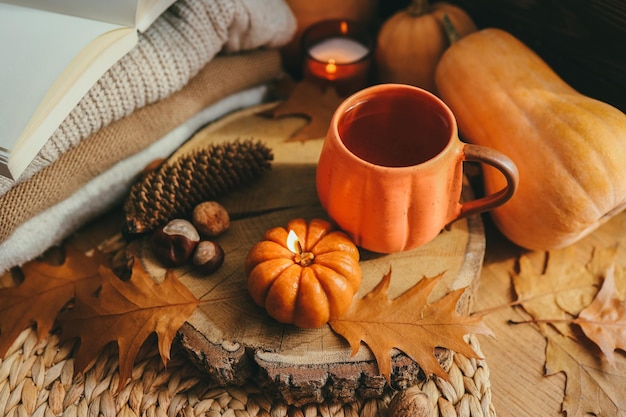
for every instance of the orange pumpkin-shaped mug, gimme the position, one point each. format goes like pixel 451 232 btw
pixel 390 172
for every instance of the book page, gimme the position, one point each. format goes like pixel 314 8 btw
pixel 119 12
pixel 149 10
pixel 37 48
pixel 139 14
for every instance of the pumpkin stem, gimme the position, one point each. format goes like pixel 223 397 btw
pixel 450 30
pixel 418 7
pixel 303 258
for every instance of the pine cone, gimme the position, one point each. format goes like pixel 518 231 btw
pixel 174 189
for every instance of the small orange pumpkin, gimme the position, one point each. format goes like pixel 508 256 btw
pixel 306 283
pixel 411 42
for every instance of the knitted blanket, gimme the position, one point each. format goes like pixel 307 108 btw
pixel 200 60
pixel 173 50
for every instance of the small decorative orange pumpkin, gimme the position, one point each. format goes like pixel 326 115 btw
pixel 411 42
pixel 306 274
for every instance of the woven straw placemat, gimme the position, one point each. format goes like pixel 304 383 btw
pixel 37 378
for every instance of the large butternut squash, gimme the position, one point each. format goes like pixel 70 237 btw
pixel 570 149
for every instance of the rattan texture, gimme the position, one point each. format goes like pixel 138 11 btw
pixel 37 378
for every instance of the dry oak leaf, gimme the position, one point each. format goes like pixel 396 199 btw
pixel 127 312
pixel 558 290
pixel 311 101
pixel 605 258
pixel 604 320
pixel 563 294
pixel 590 387
pixel 409 323
pixel 45 290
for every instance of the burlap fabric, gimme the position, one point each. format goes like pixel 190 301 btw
pixel 37 378
pixel 173 50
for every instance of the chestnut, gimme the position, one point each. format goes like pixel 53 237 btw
pixel 174 243
pixel 208 257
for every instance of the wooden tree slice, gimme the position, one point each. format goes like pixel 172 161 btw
pixel 233 340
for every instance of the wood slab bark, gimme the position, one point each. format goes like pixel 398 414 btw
pixel 234 341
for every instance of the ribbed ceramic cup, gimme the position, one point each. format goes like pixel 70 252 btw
pixel 390 173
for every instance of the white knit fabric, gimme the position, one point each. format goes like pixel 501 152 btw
pixel 177 45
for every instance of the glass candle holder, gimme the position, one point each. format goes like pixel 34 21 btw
pixel 338 53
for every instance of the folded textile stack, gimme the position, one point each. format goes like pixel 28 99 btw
pixel 200 60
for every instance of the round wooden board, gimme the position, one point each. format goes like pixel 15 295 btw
pixel 234 341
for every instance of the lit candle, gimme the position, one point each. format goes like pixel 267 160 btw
pixel 338 50
pixel 338 53
pixel 293 243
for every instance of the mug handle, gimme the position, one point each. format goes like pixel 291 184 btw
pixel 478 153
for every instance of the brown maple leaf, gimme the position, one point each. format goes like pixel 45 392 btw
pixel 558 291
pixel 604 320
pixel 566 293
pixel 605 258
pixel 409 323
pixel 45 290
pixel 590 388
pixel 311 101
pixel 127 312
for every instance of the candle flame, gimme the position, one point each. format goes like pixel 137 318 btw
pixel 343 27
pixel 293 242
pixel 331 68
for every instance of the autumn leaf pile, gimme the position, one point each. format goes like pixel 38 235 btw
pixel 580 309
pixel 87 301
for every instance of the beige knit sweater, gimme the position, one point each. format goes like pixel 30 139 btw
pixel 178 44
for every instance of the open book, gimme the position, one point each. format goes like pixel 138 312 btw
pixel 53 52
